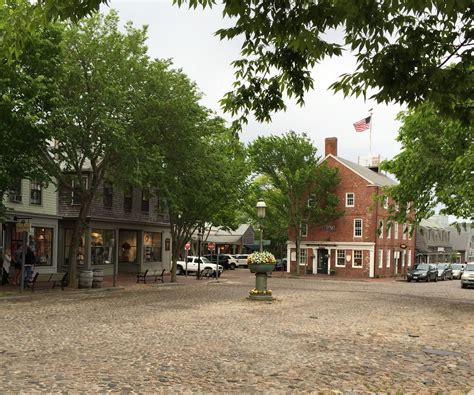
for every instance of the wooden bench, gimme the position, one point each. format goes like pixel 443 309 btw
pixel 57 279
pixel 157 274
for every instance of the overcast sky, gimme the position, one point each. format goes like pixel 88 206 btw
pixel 187 37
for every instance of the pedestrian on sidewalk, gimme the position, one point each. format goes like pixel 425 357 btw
pixel 7 259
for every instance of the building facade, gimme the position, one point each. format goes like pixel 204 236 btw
pixel 126 231
pixel 37 204
pixel 363 242
pixel 433 242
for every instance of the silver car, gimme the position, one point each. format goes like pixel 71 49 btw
pixel 467 278
pixel 457 270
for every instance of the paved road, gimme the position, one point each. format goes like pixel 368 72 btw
pixel 362 336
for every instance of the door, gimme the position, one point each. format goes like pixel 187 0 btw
pixel 323 258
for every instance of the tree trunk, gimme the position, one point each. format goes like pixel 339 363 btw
pixel 298 242
pixel 174 258
pixel 78 229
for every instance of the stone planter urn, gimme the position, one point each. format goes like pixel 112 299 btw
pixel 261 263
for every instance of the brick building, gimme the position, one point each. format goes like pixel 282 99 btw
pixel 362 243
pixel 128 231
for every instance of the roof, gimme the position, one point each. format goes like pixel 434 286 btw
pixel 364 172
pixel 461 240
pixel 221 236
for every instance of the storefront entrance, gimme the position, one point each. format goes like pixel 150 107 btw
pixel 323 258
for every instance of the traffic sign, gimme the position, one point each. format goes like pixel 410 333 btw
pixel 187 246
pixel 211 246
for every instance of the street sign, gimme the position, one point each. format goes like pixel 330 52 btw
pixel 23 226
pixel 211 246
pixel 187 246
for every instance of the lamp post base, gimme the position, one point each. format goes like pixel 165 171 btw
pixel 260 292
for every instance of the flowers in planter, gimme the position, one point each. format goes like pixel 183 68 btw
pixel 261 258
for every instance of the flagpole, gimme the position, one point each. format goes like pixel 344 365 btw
pixel 370 132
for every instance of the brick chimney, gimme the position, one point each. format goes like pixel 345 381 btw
pixel 330 146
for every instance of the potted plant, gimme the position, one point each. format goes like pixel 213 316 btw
pixel 332 272
pixel 261 263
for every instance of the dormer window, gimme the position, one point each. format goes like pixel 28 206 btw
pixel 35 192
pixel 350 199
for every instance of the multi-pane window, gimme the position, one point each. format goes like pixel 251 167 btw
pixel 312 200
pixel 389 229
pixel 152 247
pixel 395 230
pixel 128 198
pixel 145 201
pixel 350 199
pixel 15 191
pixel 341 258
pixel 403 258
pixel 409 231
pixel 358 227
pixel 380 229
pixel 385 202
pixel 108 194
pixel 405 231
pixel 35 192
pixel 102 246
pixel 161 205
pixel 388 257
pixel 303 256
pixel 304 229
pixel 357 258
pixel 380 258
pixel 77 189
pixel 409 258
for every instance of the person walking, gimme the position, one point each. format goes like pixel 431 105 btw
pixel 7 259
pixel 18 257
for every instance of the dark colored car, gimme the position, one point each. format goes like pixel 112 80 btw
pixel 280 265
pixel 223 261
pixel 423 272
pixel 445 271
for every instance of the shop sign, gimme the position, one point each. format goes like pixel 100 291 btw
pixel 403 246
pixel 329 228
pixel 23 226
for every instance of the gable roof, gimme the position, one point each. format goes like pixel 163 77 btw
pixel 364 172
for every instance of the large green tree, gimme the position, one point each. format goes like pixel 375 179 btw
pixel 306 185
pixel 435 166
pixel 91 124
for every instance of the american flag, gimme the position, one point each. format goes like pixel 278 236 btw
pixel 362 125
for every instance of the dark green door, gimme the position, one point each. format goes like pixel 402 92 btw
pixel 323 258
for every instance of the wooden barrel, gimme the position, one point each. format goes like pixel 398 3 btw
pixel 97 278
pixel 85 279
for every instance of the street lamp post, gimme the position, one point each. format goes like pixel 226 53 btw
pixel 261 206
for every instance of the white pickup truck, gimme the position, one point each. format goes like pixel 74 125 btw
pixel 193 263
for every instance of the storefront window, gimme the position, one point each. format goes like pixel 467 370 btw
pixel 41 242
pixel 102 246
pixel 152 247
pixel 67 247
pixel 128 246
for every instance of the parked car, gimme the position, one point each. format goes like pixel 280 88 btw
pixel 242 260
pixel 445 271
pixel 280 265
pixel 226 260
pixel 467 278
pixel 194 263
pixel 423 271
pixel 457 268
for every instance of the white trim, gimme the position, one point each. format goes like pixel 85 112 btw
pixel 371 263
pixel 361 227
pixel 380 258
pixel 389 226
pixel 380 226
pixel 337 250
pixel 387 259
pixel 353 259
pixel 409 258
pixel 353 199
pixel 288 256
pixel 395 232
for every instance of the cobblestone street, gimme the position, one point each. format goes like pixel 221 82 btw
pixel 204 336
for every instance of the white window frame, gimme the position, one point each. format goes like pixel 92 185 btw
pixel 343 258
pixel 380 228
pixel 356 228
pixel 303 253
pixel 36 186
pixel 311 200
pixel 404 231
pixel 385 202
pixel 389 229
pixel 395 232
pixel 304 229
pixel 354 259
pixel 388 258
pixel 348 195
pixel 403 257
pixel 380 258
pixel 409 258
pixel 409 229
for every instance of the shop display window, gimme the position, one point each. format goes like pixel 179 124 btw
pixel 102 246
pixel 152 247
pixel 128 246
pixel 67 247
